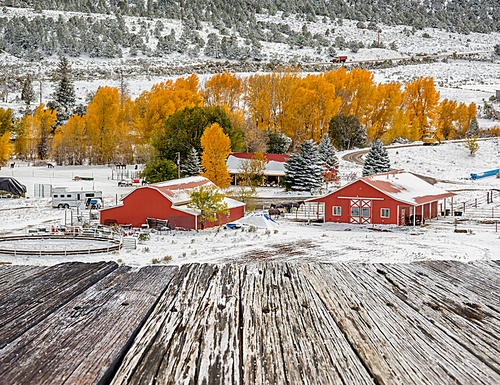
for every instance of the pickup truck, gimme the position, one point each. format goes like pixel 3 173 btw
pixel 130 182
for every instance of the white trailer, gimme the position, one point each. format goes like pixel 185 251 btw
pixel 62 197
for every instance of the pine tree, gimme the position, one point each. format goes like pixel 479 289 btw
pixel 377 160
pixel 473 129
pixel 304 170
pixel 65 91
pixel 192 165
pixel 326 152
pixel 28 92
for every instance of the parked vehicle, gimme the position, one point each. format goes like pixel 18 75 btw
pixel 339 59
pixel 130 182
pixel 429 138
pixel 62 197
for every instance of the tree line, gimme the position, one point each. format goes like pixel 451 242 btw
pixel 274 112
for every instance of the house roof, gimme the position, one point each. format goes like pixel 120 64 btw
pixel 275 163
pixel 403 187
pixel 178 191
pixel 231 204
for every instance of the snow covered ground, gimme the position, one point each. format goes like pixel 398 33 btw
pixel 293 241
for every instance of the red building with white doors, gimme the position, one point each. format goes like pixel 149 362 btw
pixel 168 201
pixel 395 197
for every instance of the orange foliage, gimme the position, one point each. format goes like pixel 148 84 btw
pixel 420 102
pixel 224 90
pixel 153 107
pixel 216 148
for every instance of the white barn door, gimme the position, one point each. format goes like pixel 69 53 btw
pixel 360 211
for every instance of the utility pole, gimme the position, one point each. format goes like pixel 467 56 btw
pixel 378 41
pixel 178 165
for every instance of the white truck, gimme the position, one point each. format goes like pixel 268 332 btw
pixel 63 197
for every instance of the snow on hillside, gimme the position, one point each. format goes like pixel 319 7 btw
pixel 297 242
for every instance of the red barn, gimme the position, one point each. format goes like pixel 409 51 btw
pixel 167 200
pixel 395 197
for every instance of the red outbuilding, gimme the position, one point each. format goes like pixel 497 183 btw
pixel 395 197
pixel 168 201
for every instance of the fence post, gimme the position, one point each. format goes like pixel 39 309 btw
pixel 464 207
pixel 476 203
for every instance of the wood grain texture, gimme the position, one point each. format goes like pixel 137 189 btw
pixel 31 300
pixel 11 274
pixel 82 341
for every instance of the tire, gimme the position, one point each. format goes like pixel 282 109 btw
pixel 66 206
pixel 60 206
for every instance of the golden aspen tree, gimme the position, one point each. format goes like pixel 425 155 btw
pixel 464 116
pixel 21 129
pixel 421 101
pixel 282 83
pixel 153 107
pixel 446 119
pixel 5 148
pixel 257 100
pixel 216 148
pixel 58 149
pixel 102 125
pixel 383 108
pixel 223 90
pixel 400 128
pixel 40 129
pixel 70 143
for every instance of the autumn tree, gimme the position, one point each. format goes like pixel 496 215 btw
pixel 420 102
pixel 223 90
pixel 21 129
pixel 471 144
pixel 5 120
pixel 252 170
pixel 216 148
pixel 102 125
pixel 5 148
pixel 164 99
pixel 446 119
pixel 70 143
pixel 209 202
pixel 39 131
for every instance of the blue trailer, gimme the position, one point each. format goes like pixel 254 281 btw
pixel 485 174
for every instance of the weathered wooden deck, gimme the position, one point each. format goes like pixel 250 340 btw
pixel 274 323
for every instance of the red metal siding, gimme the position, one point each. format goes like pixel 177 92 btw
pixel 141 204
pixel 234 214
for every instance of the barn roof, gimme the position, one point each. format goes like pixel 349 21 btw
pixel 178 191
pixel 275 163
pixel 403 187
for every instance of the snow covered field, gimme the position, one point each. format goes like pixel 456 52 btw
pixel 297 242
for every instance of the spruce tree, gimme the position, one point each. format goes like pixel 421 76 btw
pixel 192 165
pixel 304 170
pixel 326 152
pixel 473 129
pixel 28 92
pixel 377 160
pixel 65 91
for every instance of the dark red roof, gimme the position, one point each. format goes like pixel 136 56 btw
pixel 269 157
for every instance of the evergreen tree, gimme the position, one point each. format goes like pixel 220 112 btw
pixel 65 91
pixel 278 143
pixel 192 165
pixel 304 170
pixel 377 160
pixel 326 152
pixel 347 132
pixel 473 129
pixel 28 92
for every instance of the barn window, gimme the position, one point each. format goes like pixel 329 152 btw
pixel 354 211
pixel 90 195
pixel 55 196
pixel 365 212
pixel 337 210
pixel 68 196
pixel 384 213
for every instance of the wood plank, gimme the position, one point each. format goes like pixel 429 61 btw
pixel 191 336
pixel 459 312
pixel 81 342
pixel 31 300
pixel 396 341
pixel 11 274
pixel 289 336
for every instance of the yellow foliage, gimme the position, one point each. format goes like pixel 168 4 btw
pixel 153 107
pixel 70 142
pixel 102 125
pixel 224 90
pixel 5 148
pixel 38 130
pixel 420 102
pixel 216 148
pixel 446 119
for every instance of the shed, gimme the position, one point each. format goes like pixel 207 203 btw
pixel 167 201
pixel 275 164
pixel 395 197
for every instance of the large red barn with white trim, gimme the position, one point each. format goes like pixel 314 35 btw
pixel 167 200
pixel 395 197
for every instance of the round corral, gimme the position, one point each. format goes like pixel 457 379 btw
pixel 52 244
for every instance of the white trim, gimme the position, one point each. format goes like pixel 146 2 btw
pixel 366 199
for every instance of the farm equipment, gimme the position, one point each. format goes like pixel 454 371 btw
pixel 339 59
pixel 430 138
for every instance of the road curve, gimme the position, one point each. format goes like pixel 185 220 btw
pixel 357 157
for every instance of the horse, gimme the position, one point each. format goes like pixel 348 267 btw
pixel 50 165
pixel 275 212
